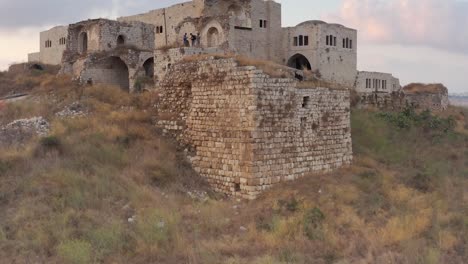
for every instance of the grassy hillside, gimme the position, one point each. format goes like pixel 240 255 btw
pixel 106 187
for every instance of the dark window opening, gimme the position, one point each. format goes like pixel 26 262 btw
pixel 37 67
pixel 295 42
pixel 351 44
pixel 120 40
pixel 237 187
pixel 301 40
pixel 261 23
pixel 83 42
pixel 331 40
pixel 306 40
pixel 149 67
pixel 305 102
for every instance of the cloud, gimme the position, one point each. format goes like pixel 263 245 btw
pixel 22 20
pixel 417 64
pixel 439 24
pixel 39 13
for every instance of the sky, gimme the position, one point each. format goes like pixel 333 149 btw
pixel 416 40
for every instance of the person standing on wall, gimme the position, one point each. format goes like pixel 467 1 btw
pixel 193 38
pixel 186 42
pixel 198 39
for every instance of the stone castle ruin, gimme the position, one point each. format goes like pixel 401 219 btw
pixel 246 127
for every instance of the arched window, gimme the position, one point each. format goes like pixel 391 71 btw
pixel 149 67
pixel 213 37
pixel 301 40
pixel 120 40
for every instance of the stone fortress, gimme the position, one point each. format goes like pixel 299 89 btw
pixel 246 129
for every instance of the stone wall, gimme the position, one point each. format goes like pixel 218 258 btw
pixel 248 131
pixel 381 100
pixel 429 101
pixel 165 58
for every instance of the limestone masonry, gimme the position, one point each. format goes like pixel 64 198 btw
pixel 254 102
pixel 251 131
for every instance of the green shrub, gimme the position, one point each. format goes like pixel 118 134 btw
pixel 288 256
pixel 4 166
pixel 291 205
pixel 313 220
pixel 408 118
pixel 107 240
pixel 75 252
pixel 2 235
pixel 50 142
pixel 266 223
pixel 422 182
pixel 157 228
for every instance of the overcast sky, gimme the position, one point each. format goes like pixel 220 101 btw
pixel 416 40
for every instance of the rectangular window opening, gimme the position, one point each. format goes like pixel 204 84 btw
pixel 306 40
pixel 305 102
pixel 295 41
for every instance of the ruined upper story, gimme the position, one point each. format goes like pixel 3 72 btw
pixel 100 35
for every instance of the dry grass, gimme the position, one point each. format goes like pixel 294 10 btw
pixel 71 201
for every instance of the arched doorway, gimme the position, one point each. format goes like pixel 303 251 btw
pixel 111 71
pixel 119 71
pixel 83 42
pixel 299 62
pixel 149 67
pixel 213 37
pixel 120 40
